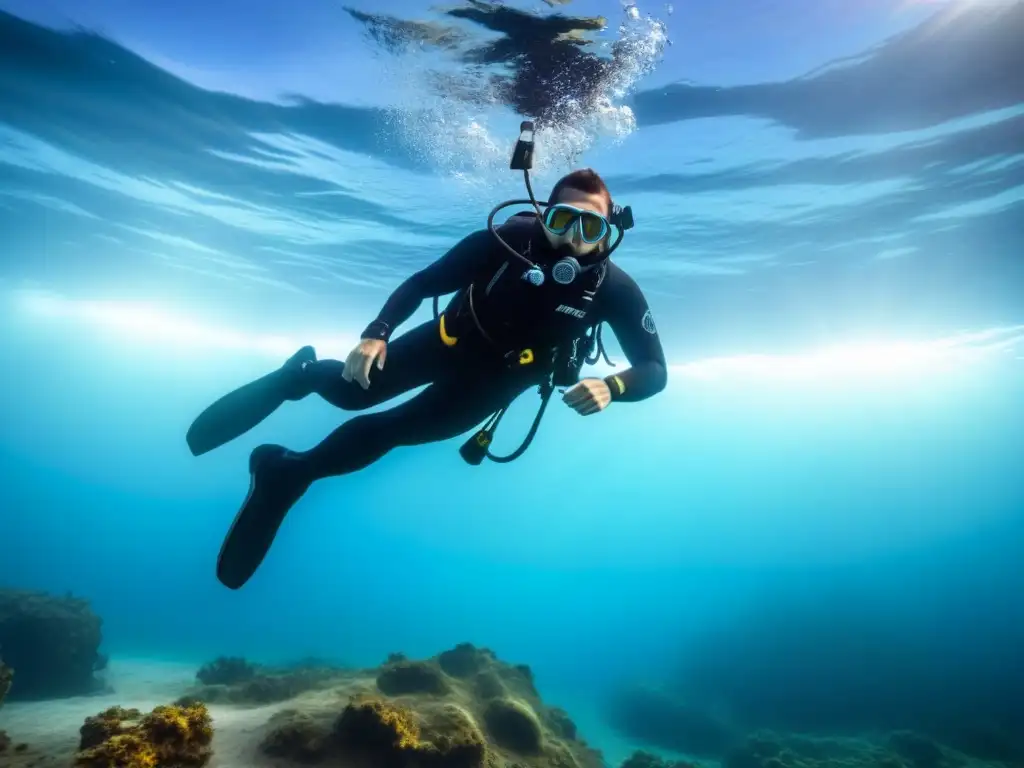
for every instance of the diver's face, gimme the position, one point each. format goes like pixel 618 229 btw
pixel 573 241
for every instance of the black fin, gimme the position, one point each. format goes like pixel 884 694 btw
pixel 276 483
pixel 237 412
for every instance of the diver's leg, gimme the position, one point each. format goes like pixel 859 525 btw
pixel 280 477
pixel 413 359
pixel 442 411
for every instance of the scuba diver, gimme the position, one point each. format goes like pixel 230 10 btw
pixel 530 297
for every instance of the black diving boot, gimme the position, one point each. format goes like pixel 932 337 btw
pixel 237 412
pixel 277 479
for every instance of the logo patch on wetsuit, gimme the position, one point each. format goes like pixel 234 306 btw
pixel 567 310
pixel 647 321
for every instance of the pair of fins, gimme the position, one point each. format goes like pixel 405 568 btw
pixel 276 479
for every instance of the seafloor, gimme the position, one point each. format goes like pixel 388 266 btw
pixel 68 705
pixel 461 709
pixel 485 701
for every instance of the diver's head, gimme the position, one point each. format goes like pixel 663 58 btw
pixel 583 188
pixel 576 220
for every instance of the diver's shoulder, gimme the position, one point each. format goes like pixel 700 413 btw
pixel 521 219
pixel 480 242
pixel 481 236
pixel 618 279
pixel 517 232
pixel 519 226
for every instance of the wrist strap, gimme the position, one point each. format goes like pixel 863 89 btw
pixel 378 329
pixel 616 385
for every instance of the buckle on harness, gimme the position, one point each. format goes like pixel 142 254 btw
pixel 477 447
pixel 474 450
pixel 446 339
pixel 522 357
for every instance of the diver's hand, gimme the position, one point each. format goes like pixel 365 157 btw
pixel 589 396
pixel 362 358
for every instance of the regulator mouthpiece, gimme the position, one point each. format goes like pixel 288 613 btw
pixel 534 276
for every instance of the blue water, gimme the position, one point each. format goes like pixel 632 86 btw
pixel 832 254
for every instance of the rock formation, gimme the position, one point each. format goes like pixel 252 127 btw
pixel 6 675
pixel 461 709
pixel 167 736
pixel 901 749
pixel 234 680
pixel 52 642
pixel 5 683
pixel 642 759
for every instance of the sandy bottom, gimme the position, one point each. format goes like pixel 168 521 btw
pixel 50 728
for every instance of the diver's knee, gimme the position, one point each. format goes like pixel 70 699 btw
pixel 324 378
pixel 296 382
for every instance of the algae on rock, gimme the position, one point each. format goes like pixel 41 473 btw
pixel 168 736
pixel 464 708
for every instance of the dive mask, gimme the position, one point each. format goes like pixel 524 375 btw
pixel 567 223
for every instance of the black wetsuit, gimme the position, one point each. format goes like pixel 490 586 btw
pixel 496 338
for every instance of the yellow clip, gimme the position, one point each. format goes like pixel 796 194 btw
pixel 483 439
pixel 448 341
pixel 526 357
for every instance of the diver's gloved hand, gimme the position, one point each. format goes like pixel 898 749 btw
pixel 362 358
pixel 588 396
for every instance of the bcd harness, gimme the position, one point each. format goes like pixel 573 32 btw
pixel 564 367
